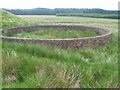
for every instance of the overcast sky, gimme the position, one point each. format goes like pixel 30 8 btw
pixel 26 4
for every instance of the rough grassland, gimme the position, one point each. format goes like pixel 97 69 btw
pixel 36 66
pixel 10 20
pixel 51 33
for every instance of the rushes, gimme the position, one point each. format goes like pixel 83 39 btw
pixel 39 66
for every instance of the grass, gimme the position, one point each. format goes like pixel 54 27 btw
pixel 92 15
pixel 26 62
pixel 37 66
pixel 9 20
pixel 67 20
pixel 52 33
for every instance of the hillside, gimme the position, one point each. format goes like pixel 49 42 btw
pixel 10 20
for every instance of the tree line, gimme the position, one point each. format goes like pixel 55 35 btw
pixel 100 13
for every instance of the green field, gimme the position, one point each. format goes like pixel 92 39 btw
pixel 91 15
pixel 36 66
pixel 51 33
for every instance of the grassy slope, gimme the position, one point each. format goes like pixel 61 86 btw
pixel 39 66
pixel 10 20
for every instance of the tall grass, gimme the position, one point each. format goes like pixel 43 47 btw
pixel 37 66
pixel 40 66
pixel 51 33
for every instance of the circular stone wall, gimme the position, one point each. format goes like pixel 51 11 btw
pixel 94 42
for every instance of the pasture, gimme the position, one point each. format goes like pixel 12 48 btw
pixel 51 33
pixel 37 66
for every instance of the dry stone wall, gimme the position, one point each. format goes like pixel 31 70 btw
pixel 1 31
pixel 76 43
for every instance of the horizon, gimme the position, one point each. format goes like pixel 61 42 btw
pixel 59 8
pixel 30 4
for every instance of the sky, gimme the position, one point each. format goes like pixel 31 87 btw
pixel 27 4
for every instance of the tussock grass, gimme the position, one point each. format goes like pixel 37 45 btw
pixel 37 66
pixel 40 66
pixel 51 33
